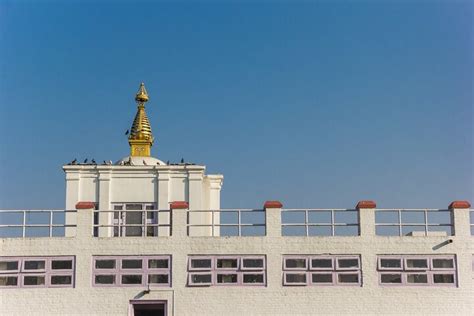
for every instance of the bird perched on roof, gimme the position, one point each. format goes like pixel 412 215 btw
pixel 109 162
pixel 93 161
pixel 128 131
pixel 74 162
pixel 104 163
pixel 182 160
pixel 85 160
pixel 168 163
pixel 144 163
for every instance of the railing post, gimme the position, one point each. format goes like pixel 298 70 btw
pixel 84 222
pixel 179 213
pixel 366 218
pixel 461 218
pixel 273 218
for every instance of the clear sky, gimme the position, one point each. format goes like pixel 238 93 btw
pixel 317 104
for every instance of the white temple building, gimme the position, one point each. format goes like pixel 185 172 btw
pixel 143 237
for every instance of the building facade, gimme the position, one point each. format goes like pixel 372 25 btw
pixel 144 237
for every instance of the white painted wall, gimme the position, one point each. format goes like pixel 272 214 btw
pixel 274 299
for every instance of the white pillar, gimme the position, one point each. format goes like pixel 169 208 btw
pixel 105 218
pixel 72 197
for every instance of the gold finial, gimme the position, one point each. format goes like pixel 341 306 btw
pixel 141 95
pixel 141 137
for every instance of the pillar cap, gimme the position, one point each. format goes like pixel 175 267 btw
pixel 85 205
pixel 459 204
pixel 177 205
pixel 272 204
pixel 366 204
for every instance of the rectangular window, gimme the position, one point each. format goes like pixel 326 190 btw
pixel 412 270
pixel 320 222
pixel 424 222
pixel 320 270
pixel 37 271
pixel 226 270
pixel 131 271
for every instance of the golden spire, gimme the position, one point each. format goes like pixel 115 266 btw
pixel 141 138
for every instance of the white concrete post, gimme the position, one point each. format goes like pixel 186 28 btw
pixel 273 218
pixel 72 196
pixel 461 219
pixel 179 213
pixel 367 234
pixel 366 218
pixel 85 211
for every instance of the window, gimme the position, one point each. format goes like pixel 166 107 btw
pixel 422 270
pixel 413 222
pixel 131 271
pixel 320 222
pixel 321 270
pixel 226 270
pixel 37 272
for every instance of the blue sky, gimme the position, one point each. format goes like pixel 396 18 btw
pixel 317 104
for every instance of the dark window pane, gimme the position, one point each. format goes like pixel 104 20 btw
pixel 295 278
pixel 322 278
pixel 131 264
pixel 158 263
pixel 131 279
pixel 387 230
pixel 134 207
pixel 320 231
pixel 252 263
pixel 158 278
pixel 348 263
pixel 439 217
pixel 346 231
pixel 348 278
pixel 321 263
pixel 201 263
pixel 413 217
pixel 296 217
pixel 319 217
pixel 443 278
pixel 390 263
pixel 61 279
pixel 34 265
pixel 105 279
pixel 254 217
pixel 417 263
pixel 391 278
pixel 253 278
pixel 201 278
pixel 417 278
pixel 443 263
pixel 346 217
pixel 252 230
pixel 386 217
pixel 293 231
pixel 8 265
pixel 227 263
pixel 295 263
pixel 8 280
pixel 33 280
pixel 61 264
pixel 227 278
pixel 105 264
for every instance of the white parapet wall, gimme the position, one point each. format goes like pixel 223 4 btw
pixel 273 299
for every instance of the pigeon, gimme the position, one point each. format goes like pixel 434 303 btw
pixel 93 161
pixel 104 163
pixel 74 162
pixel 126 133
pixel 168 163
pixel 182 160
pixel 144 162
pixel 85 160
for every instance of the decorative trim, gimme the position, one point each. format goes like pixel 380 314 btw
pixel 272 204
pixel 366 204
pixel 459 204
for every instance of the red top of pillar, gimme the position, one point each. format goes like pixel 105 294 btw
pixel 176 205
pixel 459 204
pixel 272 204
pixel 85 205
pixel 366 204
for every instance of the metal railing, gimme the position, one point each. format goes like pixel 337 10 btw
pixel 132 223
pixel 33 223
pixel 407 222
pixel 226 222
pixel 319 222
